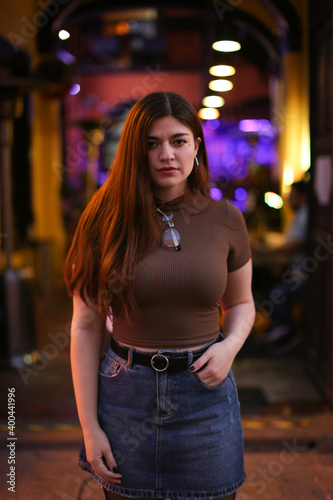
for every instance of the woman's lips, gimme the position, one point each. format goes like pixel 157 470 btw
pixel 167 170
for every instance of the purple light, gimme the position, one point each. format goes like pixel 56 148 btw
pixel 265 125
pixel 239 204
pixel 213 124
pixel 255 126
pixel 65 56
pixel 249 125
pixel 75 89
pixel 240 194
pixel 216 193
pixel 230 154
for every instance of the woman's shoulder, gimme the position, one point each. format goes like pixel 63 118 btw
pixel 229 213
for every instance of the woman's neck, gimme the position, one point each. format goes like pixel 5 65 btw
pixel 167 195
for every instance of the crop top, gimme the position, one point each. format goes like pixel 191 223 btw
pixel 178 292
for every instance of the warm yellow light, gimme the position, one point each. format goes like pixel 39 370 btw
pixel 222 70
pixel 122 28
pixel 288 176
pixel 213 101
pixel 226 46
pixel 305 159
pixel 288 179
pixel 63 35
pixel 208 113
pixel 273 200
pixel 220 85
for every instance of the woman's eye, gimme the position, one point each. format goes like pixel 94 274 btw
pixel 179 142
pixel 151 144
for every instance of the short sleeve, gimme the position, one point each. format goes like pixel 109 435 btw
pixel 240 251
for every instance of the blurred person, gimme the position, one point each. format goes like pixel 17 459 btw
pixel 159 412
pixel 284 331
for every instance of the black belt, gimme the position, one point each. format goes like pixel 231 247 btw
pixel 161 360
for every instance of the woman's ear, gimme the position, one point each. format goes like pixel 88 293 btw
pixel 197 144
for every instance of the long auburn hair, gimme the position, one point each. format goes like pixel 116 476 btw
pixel 119 227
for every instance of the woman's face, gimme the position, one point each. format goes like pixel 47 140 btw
pixel 171 152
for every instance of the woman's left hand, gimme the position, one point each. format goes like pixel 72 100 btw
pixel 216 363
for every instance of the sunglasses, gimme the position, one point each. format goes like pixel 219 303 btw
pixel 170 236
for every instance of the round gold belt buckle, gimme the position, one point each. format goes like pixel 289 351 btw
pixel 156 359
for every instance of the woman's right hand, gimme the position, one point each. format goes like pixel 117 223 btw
pixel 99 455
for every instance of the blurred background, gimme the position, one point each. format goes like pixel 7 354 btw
pixel 259 73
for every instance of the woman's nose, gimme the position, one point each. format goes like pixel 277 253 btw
pixel 166 151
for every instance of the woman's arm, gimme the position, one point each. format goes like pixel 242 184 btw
pixel 237 320
pixel 87 333
pixel 238 308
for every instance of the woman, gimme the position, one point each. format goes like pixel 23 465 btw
pixel 160 414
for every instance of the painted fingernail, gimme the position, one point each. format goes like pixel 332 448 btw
pixel 191 368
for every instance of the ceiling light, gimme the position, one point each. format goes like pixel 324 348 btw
pixel 222 70
pixel 208 113
pixel 63 35
pixel 226 46
pixel 213 101
pixel 220 85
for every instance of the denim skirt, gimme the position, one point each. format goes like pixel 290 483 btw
pixel 172 436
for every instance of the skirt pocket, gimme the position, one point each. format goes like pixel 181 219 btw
pixel 111 366
pixel 210 387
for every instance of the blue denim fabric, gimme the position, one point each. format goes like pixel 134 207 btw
pixel 172 436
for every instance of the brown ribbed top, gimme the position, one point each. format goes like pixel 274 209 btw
pixel 178 292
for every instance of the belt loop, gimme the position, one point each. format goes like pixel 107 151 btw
pixel 130 357
pixel 189 359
